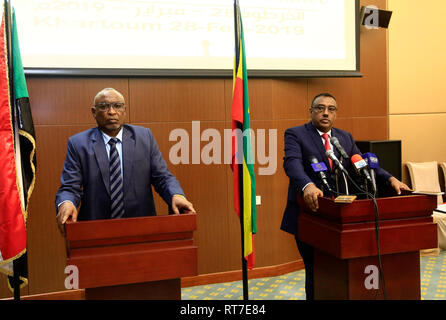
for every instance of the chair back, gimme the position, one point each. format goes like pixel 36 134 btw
pixel 424 177
pixel 443 177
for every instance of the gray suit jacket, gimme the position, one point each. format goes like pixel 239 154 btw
pixel 85 177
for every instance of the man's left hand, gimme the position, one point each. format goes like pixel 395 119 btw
pixel 398 186
pixel 180 203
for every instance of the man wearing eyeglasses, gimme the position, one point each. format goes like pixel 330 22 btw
pixel 109 169
pixel 313 140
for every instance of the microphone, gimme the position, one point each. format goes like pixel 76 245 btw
pixel 338 146
pixel 319 168
pixel 372 161
pixel 361 167
pixel 330 154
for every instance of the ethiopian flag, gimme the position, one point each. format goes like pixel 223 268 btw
pixel 17 150
pixel 242 154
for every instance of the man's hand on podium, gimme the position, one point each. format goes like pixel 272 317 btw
pixel 310 196
pixel 181 205
pixel 66 210
pixel 398 186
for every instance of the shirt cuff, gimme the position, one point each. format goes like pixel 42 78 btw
pixel 63 202
pixel 306 186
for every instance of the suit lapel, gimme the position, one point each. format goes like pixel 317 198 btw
pixel 102 158
pixel 317 140
pixel 128 150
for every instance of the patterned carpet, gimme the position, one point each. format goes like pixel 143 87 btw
pixel 291 286
pixel 433 277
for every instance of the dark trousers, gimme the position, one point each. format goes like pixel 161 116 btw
pixel 307 253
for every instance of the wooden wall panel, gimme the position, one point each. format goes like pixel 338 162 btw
pixel 289 97
pixel 260 98
pixel 205 186
pixel 367 128
pixel 176 100
pixel 46 247
pixel 65 101
pixel 61 108
pixel 273 246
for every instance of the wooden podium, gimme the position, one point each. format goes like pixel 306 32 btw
pixel 344 239
pixel 133 258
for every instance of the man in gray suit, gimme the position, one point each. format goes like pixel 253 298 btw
pixel 109 169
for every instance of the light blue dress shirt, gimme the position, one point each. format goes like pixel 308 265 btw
pixel 118 146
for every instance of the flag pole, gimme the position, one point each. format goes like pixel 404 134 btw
pixel 240 170
pixel 244 272
pixel 242 232
pixel 8 36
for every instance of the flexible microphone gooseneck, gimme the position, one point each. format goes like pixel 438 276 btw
pixel 337 144
pixel 319 168
pixel 330 154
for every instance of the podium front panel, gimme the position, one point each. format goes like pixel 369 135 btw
pixel 130 251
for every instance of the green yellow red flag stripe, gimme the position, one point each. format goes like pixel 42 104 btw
pixel 242 153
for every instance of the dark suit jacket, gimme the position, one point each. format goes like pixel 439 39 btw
pixel 304 141
pixel 85 177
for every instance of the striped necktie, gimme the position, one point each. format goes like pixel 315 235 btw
pixel 116 190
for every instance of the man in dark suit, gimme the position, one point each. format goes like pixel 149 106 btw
pixel 303 142
pixel 109 169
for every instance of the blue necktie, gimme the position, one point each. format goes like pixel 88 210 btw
pixel 116 192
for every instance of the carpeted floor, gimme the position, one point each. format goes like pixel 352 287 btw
pixel 291 286
pixel 433 277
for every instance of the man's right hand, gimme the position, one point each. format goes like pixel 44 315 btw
pixel 66 210
pixel 310 196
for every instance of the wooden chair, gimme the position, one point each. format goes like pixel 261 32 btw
pixel 424 177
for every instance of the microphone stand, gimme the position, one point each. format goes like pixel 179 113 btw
pixel 346 185
pixel 336 180
pixel 345 179
pixel 372 174
pixel 367 188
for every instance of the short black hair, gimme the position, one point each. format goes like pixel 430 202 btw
pixel 325 94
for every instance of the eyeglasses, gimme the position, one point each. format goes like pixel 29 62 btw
pixel 106 106
pixel 319 109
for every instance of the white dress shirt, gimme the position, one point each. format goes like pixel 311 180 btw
pixel 323 143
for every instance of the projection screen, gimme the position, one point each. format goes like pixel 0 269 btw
pixel 188 37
